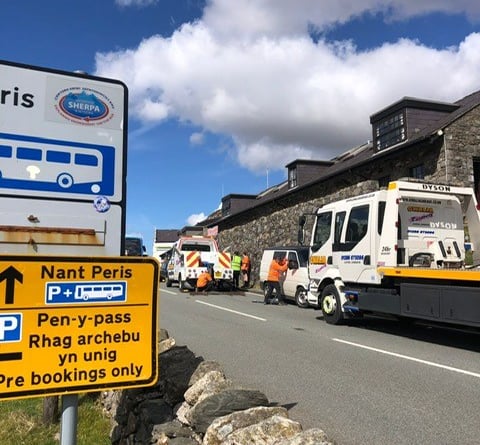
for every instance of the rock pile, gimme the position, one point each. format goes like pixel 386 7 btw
pixel 193 403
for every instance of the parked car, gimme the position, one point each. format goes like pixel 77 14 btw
pixel 295 280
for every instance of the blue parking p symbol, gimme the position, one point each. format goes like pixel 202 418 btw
pixel 10 327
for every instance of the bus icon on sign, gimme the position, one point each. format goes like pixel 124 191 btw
pixel 31 163
pixel 73 292
pixel 99 292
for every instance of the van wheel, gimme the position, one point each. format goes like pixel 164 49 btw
pixel 331 306
pixel 301 297
pixel 168 282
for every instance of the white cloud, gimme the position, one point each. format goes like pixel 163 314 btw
pixel 195 218
pixel 262 155
pixel 196 138
pixel 276 18
pixel 257 76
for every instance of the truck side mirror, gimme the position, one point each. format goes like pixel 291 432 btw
pixel 300 237
pixel 301 232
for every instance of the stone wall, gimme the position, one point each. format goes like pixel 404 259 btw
pixel 193 403
pixel 276 223
pixel 463 146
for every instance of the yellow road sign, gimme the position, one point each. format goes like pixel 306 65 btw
pixel 75 324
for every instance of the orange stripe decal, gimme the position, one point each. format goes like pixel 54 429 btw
pixel 438 274
pixel 224 260
pixel 193 259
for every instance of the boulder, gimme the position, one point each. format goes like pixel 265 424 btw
pixel 220 428
pixel 223 403
pixel 203 368
pixel 173 431
pixel 267 432
pixel 165 345
pixel 313 436
pixel 210 379
pixel 176 368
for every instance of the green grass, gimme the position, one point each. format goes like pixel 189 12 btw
pixel 21 423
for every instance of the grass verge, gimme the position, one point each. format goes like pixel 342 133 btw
pixel 21 423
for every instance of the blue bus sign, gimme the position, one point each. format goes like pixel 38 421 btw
pixel 74 292
pixel 31 163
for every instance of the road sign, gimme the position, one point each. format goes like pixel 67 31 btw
pixel 63 141
pixel 62 135
pixel 77 324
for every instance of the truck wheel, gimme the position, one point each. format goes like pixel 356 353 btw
pixel 332 312
pixel 301 297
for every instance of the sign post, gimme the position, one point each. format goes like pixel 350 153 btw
pixel 63 145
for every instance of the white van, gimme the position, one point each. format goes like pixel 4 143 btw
pixel 295 279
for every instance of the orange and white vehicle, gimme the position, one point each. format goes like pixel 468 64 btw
pixel 192 255
pixel 399 251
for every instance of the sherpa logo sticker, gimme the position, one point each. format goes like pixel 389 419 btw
pixel 84 105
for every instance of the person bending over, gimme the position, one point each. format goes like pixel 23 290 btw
pixel 204 282
pixel 277 267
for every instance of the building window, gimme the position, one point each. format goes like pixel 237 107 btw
pixel 390 131
pixel 226 207
pixel 292 177
pixel 418 172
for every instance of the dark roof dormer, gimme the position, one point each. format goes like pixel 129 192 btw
pixel 302 171
pixel 234 203
pixel 404 119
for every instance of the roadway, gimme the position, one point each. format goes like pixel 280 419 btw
pixel 373 381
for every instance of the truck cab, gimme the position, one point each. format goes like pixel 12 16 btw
pixel 374 251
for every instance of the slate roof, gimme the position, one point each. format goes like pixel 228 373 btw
pixel 358 156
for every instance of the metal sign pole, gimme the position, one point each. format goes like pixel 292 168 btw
pixel 68 427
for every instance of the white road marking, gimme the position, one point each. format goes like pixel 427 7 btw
pixel 171 292
pixel 413 359
pixel 231 310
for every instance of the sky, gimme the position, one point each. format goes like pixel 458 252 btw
pixel 223 94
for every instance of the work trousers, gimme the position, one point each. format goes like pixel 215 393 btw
pixel 271 286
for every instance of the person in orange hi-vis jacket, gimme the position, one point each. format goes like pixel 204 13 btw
pixel 204 282
pixel 277 267
pixel 246 267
